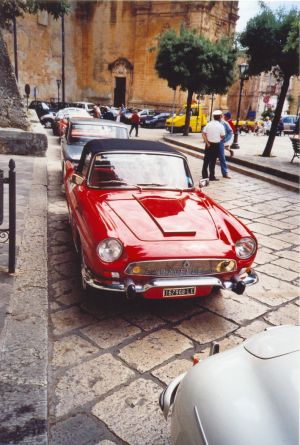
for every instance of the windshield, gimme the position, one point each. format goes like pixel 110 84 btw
pixel 143 170
pixel 80 133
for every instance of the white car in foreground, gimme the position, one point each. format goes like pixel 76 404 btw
pixel 248 395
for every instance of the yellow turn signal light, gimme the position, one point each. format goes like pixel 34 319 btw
pixel 226 266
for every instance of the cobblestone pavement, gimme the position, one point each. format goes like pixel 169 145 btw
pixel 110 359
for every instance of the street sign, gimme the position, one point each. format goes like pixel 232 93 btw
pixel 27 92
pixel 266 99
pixel 27 89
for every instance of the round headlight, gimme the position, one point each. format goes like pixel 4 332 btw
pixel 109 250
pixel 245 247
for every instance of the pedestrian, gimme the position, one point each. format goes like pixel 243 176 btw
pixel 267 126
pixel 297 128
pixel 212 134
pixel 135 120
pixel 224 143
pixel 227 117
pixel 97 112
pixel 280 127
pixel 107 114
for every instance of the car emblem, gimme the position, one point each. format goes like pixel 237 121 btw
pixel 186 264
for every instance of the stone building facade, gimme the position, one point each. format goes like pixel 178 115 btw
pixel 107 57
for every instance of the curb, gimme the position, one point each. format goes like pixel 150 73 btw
pixel 267 174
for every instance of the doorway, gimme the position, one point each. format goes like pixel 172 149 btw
pixel 120 91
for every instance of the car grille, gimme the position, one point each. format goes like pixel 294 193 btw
pixel 178 268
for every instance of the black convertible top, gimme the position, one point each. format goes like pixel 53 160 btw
pixel 109 145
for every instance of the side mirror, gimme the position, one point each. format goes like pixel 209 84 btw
pixel 76 179
pixel 204 182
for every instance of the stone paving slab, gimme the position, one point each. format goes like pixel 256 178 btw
pixel 136 405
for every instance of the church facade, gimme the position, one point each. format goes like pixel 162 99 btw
pixel 107 49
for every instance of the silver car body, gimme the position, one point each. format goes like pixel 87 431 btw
pixel 248 395
pixel 71 150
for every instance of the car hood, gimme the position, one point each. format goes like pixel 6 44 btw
pixel 153 217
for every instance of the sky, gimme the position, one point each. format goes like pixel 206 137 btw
pixel 250 8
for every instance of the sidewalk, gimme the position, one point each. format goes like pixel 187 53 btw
pixel 24 310
pixel 277 169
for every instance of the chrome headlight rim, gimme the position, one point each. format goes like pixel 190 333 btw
pixel 245 247
pixel 109 250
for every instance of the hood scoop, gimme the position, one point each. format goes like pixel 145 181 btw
pixel 169 214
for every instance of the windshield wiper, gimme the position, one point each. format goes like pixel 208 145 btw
pixel 152 185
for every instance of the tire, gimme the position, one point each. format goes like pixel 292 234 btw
pixel 87 289
pixel 47 123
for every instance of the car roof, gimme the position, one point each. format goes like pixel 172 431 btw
pixel 96 146
pixel 93 121
pixel 120 145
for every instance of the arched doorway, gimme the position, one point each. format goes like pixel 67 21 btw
pixel 121 70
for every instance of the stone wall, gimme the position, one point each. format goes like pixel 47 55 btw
pixel 12 112
pixel 109 40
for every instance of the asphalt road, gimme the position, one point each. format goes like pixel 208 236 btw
pixel 110 359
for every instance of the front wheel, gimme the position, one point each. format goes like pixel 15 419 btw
pixel 88 290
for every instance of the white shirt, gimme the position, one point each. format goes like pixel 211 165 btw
pixel 214 131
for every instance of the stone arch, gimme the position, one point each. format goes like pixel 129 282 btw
pixel 121 80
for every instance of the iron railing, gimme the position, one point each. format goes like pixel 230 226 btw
pixel 9 234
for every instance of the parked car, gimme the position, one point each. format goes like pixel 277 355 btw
pixel 198 120
pixel 289 123
pixel 48 119
pixel 62 117
pixel 248 395
pixel 40 107
pixel 143 228
pixel 157 121
pixel 144 114
pixel 80 130
pixel 87 106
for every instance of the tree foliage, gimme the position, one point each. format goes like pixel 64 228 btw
pixel 10 9
pixel 271 41
pixel 195 64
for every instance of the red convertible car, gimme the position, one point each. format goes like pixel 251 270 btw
pixel 143 228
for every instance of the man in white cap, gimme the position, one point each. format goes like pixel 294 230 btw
pixel 212 134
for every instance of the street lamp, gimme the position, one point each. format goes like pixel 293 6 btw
pixel 243 67
pixel 58 82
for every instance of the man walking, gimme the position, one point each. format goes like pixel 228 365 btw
pixel 212 134
pixel 135 120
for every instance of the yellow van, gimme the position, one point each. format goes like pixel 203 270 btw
pixel 197 121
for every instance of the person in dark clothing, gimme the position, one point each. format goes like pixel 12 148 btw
pixel 297 127
pixel 135 120
pixel 107 114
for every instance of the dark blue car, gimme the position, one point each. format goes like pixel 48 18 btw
pixel 157 121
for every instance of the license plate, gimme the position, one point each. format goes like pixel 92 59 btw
pixel 179 292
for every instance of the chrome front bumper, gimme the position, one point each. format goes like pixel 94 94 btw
pixel 132 289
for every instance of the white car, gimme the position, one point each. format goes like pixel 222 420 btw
pixel 48 119
pixel 248 395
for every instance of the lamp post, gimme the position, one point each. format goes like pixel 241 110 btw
pixel 243 67
pixel 58 82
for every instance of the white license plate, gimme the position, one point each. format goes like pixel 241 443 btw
pixel 179 292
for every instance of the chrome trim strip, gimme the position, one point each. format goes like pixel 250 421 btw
pixel 203 435
pixel 167 396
